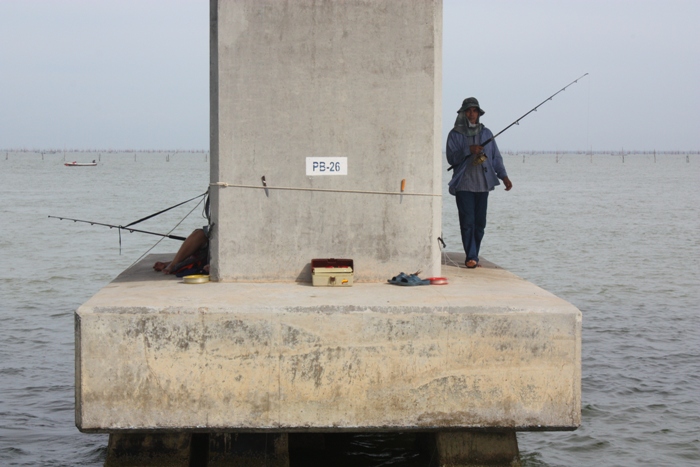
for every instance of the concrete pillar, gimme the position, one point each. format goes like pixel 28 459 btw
pixel 248 450
pixel 152 450
pixel 352 82
pixel 472 448
pixel 198 449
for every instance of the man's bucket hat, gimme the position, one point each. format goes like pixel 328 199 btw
pixel 470 102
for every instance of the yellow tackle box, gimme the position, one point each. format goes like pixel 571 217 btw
pixel 331 272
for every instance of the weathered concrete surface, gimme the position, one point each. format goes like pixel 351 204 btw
pixel 487 350
pixel 360 79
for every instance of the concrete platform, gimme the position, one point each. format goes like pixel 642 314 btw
pixel 487 351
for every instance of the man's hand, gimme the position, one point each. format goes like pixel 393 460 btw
pixel 476 149
pixel 508 183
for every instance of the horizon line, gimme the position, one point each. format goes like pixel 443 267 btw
pixel 614 152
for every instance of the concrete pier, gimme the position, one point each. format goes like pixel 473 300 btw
pixel 444 449
pixel 325 143
pixel 487 351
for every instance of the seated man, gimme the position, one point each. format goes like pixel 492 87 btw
pixel 191 258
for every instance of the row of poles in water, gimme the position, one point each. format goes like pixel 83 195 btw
pixel 99 157
pixel 206 157
pixel 687 157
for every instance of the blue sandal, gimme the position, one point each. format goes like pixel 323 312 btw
pixel 408 279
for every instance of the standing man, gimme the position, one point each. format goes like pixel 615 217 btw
pixel 477 170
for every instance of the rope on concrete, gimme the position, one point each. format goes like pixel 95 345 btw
pixel 326 190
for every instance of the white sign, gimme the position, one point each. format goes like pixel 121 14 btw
pixel 326 166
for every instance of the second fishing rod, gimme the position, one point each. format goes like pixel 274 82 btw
pixel 481 157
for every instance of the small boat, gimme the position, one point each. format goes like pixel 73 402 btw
pixel 81 164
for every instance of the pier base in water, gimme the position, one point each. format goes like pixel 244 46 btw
pixel 198 450
pixel 487 353
pixel 473 449
pixel 443 449
pixel 152 449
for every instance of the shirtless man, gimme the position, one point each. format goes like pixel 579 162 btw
pixel 195 245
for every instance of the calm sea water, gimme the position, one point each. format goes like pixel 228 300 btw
pixel 618 239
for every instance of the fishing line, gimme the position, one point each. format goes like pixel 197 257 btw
pixel 449 261
pixel 166 209
pixel 120 227
pixel 131 229
pixel 175 227
pixel 445 256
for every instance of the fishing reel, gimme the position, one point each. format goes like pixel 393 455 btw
pixel 479 159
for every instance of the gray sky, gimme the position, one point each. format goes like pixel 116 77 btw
pixel 134 74
pixel 643 57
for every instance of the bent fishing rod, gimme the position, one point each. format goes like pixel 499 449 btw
pixel 120 227
pixel 481 157
pixel 129 225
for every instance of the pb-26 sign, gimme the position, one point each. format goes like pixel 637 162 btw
pixel 326 166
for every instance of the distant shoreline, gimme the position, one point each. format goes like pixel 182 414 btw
pixel 527 152
pixel 106 151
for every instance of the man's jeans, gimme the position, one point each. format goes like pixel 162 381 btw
pixel 472 220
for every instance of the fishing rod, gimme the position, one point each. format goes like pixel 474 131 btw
pixel 120 227
pixel 481 157
pixel 129 225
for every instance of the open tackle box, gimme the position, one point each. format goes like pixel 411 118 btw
pixel 332 272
